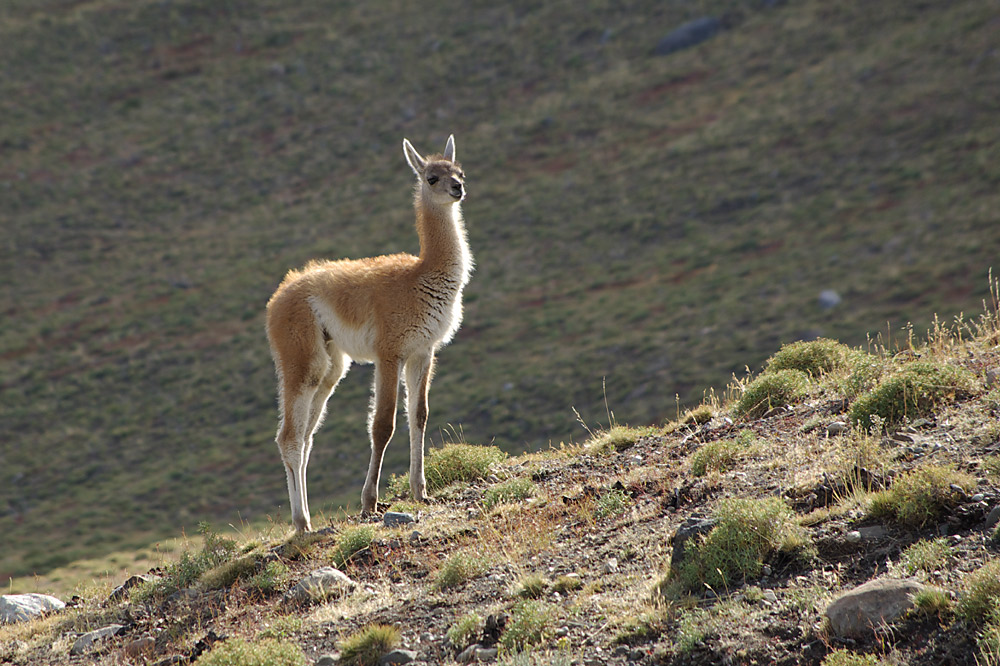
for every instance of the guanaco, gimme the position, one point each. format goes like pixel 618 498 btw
pixel 395 311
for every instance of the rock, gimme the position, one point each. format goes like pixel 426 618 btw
pixel 467 655
pixel 328 660
pixel 85 642
pixel 139 646
pixel 322 584
pixel 835 428
pixel 122 590
pixel 854 536
pixel 397 657
pixel 395 519
pixel 689 34
pixel 993 517
pixel 611 566
pixel 21 607
pixel 487 654
pixel 691 528
pixel 828 299
pixel 992 378
pixel 855 614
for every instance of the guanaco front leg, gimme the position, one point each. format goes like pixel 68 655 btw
pixel 381 424
pixel 419 370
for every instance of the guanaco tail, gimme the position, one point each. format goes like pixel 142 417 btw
pixel 395 311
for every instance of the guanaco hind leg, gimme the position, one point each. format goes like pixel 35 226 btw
pixel 381 424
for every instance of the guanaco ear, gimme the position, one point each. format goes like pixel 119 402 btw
pixel 449 149
pixel 413 158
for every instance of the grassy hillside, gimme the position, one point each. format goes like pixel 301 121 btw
pixel 644 226
pixel 567 556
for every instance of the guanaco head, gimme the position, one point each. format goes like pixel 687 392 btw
pixel 440 176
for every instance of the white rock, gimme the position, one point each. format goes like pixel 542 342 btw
pixel 322 584
pixel 856 613
pixel 83 643
pixel 611 566
pixel 21 607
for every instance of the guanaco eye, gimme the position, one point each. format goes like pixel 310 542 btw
pixel 432 179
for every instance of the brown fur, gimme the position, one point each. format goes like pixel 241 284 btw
pixel 393 310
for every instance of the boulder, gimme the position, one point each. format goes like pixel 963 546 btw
pixel 691 528
pixel 85 642
pixel 858 612
pixel 688 35
pixel 322 584
pixel 397 657
pixel 395 519
pixel 22 607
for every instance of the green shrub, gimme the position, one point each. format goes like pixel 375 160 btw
pixel 815 357
pixel 459 568
pixel 508 492
pixel 352 541
pixel 532 587
pixel 989 638
pixel 568 583
pixel 920 495
pixel 529 624
pixel 617 438
pixel 721 454
pixel 460 462
pixel 465 631
pixel 926 555
pixel 847 658
pixel 366 647
pixel 932 601
pixel 865 372
pixel 215 552
pixel 227 573
pixel 911 392
pixel 267 652
pixel 981 593
pixel 612 502
pixel 270 579
pixel 746 531
pixel 770 390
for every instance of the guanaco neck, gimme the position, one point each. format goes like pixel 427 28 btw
pixel 444 248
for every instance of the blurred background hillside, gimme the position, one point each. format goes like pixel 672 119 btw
pixel 660 194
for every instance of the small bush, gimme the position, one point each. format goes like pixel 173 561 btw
pixel 932 601
pixel 815 357
pixel 770 390
pixel 568 583
pixel 270 579
pixel 721 454
pixel 215 552
pixel 981 593
pixel 508 492
pixel 617 438
pixel 989 638
pixel 910 393
pixel 267 652
pixel 227 573
pixel 612 502
pixel 926 555
pixel 282 627
pixel 920 495
pixel 865 372
pixel 529 624
pixel 366 647
pixel 693 627
pixel 460 462
pixel 352 541
pixel 532 587
pixel 465 631
pixel 746 531
pixel 457 569
pixel 848 658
